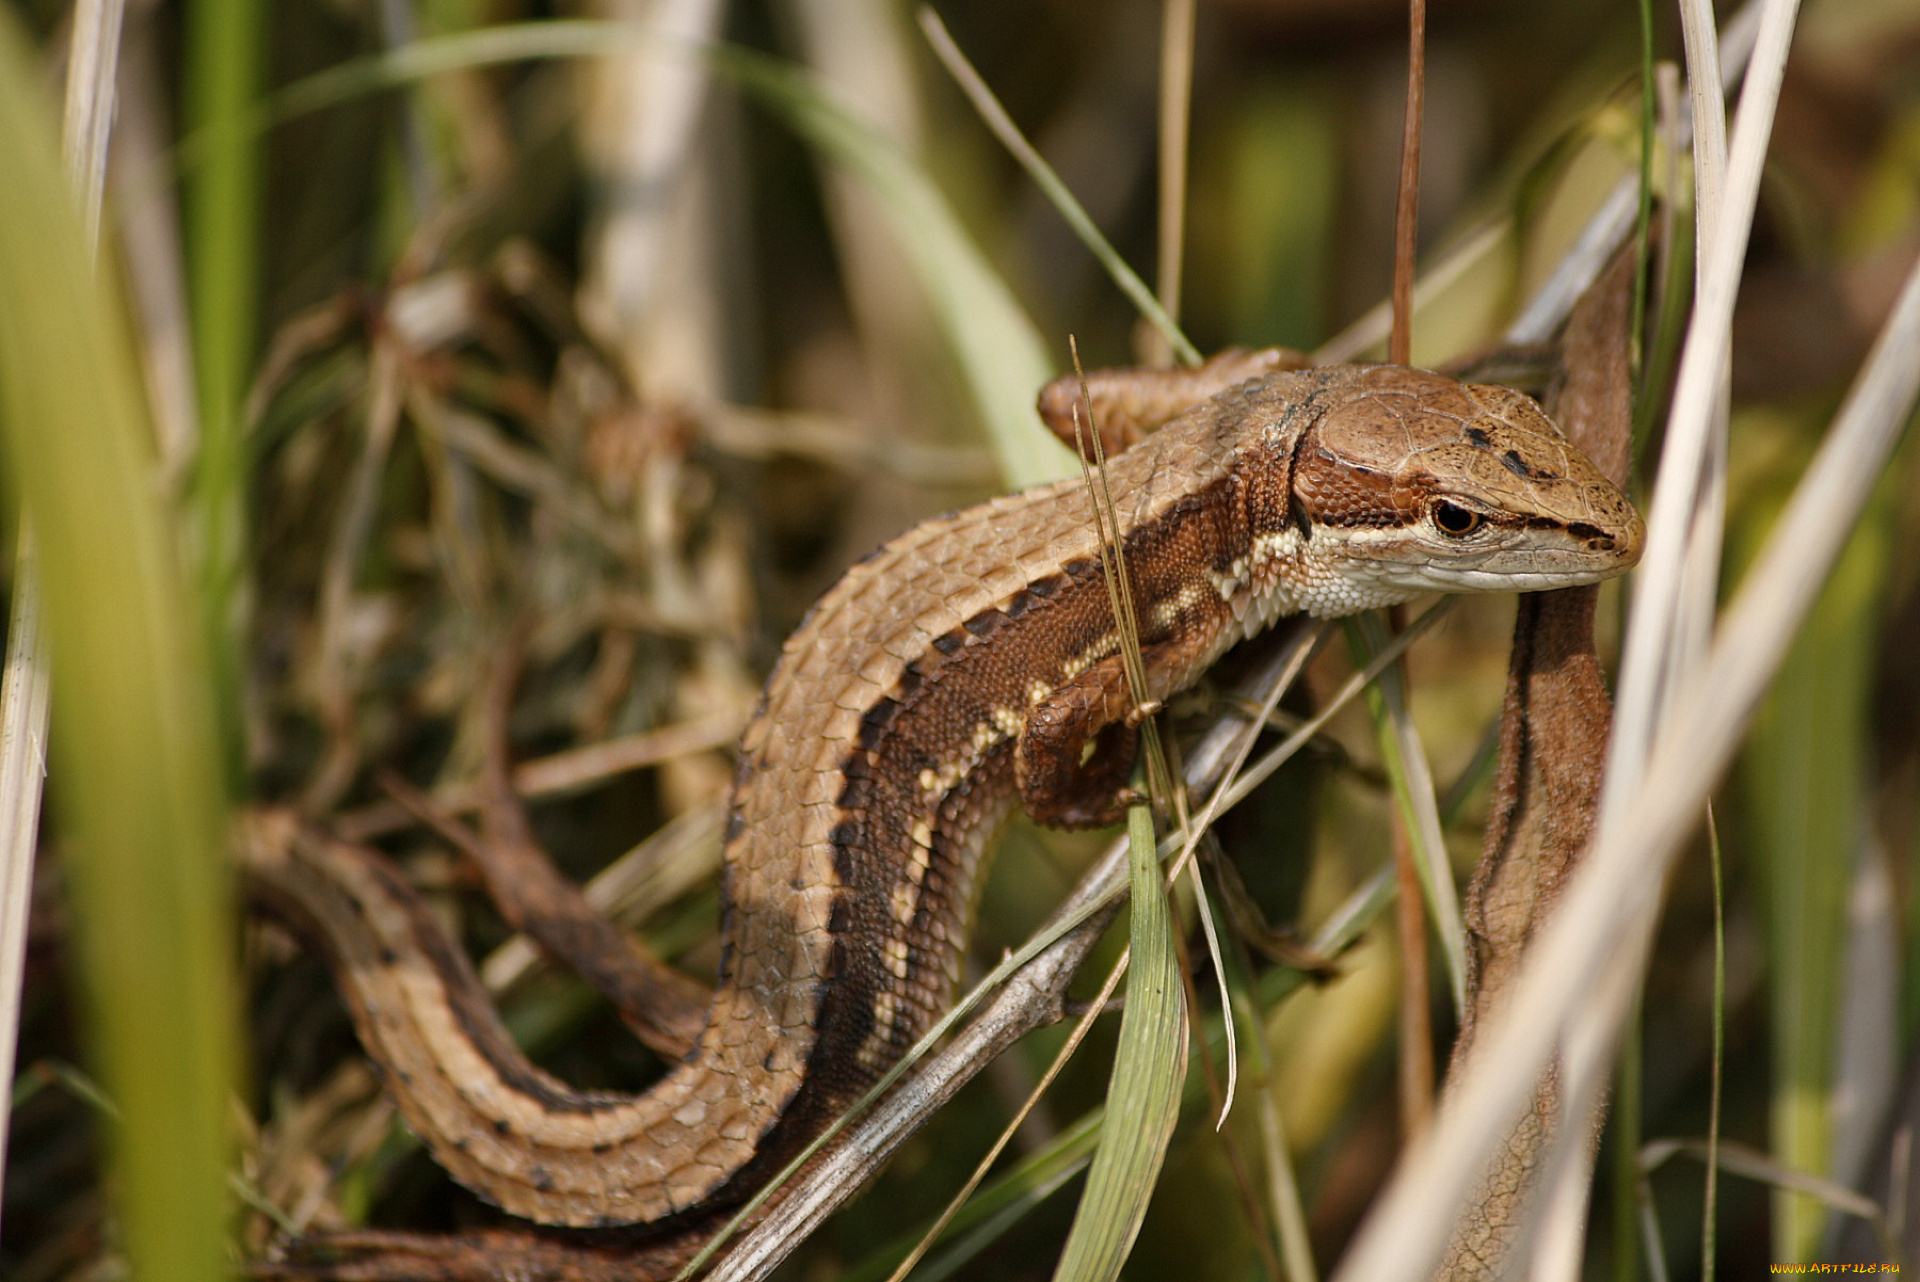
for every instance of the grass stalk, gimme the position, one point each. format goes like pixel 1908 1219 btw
pixel 221 227
pixel 133 739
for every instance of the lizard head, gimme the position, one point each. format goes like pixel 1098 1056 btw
pixel 1411 482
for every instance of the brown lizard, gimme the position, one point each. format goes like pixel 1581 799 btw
pixel 970 663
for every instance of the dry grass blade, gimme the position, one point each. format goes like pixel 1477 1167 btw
pixel 1738 1159
pixel 1176 113
pixel 1625 870
pixel 1646 685
pixel 1081 1028
pixel 1406 214
pixel 91 68
pixel 23 746
pixel 1709 1219
pixel 560 774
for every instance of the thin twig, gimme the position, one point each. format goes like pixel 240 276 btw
pixel 1176 103
pixel 1406 214
pixel 560 774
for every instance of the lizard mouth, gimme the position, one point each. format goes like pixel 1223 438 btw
pixel 1498 552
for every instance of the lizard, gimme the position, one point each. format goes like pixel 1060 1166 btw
pixel 969 665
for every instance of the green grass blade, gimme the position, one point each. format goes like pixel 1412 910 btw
pixel 1038 1174
pixel 1056 191
pixel 134 749
pixel 998 1205
pixel 1807 783
pixel 224 53
pixel 1143 1099
pixel 1000 352
pixel 1412 782
pixel 1626 1126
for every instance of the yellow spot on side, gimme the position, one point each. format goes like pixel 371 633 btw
pixel 874 1052
pixel 906 901
pixel 1099 650
pixel 898 958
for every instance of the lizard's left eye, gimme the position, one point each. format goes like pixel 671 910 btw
pixel 1455 521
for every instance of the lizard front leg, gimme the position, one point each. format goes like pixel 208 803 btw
pixel 1077 748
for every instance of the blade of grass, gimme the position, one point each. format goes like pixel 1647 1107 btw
pixel 1289 1219
pixel 1643 212
pixel 1050 185
pixel 1625 1180
pixel 1709 1226
pixel 1738 1159
pixel 1143 1096
pixel 133 738
pixel 1633 849
pixel 93 55
pixel 1808 781
pixel 955 1204
pixel 999 350
pixel 223 55
pixel 91 66
pixel 23 741
pixel 985 1218
pixel 1650 1234
pixel 1176 110
pixel 1412 779
pixel 1143 1100
pixel 1406 213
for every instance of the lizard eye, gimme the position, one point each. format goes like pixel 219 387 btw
pixel 1455 521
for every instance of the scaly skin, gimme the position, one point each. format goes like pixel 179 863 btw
pixel 962 667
